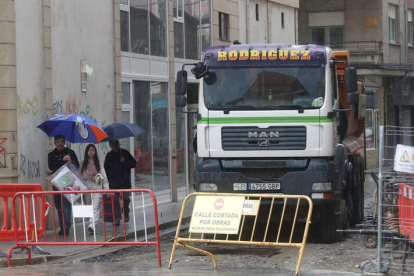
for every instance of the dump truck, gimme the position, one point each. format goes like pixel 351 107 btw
pixel 281 119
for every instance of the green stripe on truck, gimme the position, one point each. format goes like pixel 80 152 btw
pixel 258 120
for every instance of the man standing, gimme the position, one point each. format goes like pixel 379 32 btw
pixel 56 159
pixel 118 165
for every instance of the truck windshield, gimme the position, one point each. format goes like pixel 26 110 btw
pixel 264 88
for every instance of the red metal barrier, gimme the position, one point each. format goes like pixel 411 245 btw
pixel 406 210
pixel 116 234
pixel 10 228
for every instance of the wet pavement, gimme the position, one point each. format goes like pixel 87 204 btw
pixel 168 215
pixel 152 270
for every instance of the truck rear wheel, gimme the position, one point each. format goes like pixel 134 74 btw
pixel 356 183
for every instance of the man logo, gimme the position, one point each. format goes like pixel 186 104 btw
pixel 263 143
pixel 263 134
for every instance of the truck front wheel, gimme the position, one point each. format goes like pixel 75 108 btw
pixel 330 221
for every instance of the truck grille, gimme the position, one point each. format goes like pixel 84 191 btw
pixel 272 138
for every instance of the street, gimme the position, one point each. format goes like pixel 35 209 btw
pixel 341 258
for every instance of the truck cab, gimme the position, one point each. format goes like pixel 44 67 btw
pixel 270 121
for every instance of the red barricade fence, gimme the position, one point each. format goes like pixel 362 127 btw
pixel 406 210
pixel 26 212
pixel 98 218
pixel 23 224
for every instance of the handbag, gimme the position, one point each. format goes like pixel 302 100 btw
pixel 99 180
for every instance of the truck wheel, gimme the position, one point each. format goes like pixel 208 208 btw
pixel 327 226
pixel 357 197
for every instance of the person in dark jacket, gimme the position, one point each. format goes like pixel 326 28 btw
pixel 56 159
pixel 118 165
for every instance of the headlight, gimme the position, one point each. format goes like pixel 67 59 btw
pixel 208 187
pixel 321 186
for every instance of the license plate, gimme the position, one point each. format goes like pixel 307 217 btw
pixel 264 186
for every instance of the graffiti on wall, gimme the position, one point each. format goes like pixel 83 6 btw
pixel 29 168
pixel 27 106
pixel 57 107
pixel 2 147
pixel 3 161
pixel 15 163
pixel 72 106
pixel 102 146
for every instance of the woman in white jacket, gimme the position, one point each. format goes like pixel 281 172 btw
pixel 90 168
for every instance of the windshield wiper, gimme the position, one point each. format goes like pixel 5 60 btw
pixel 295 106
pixel 234 107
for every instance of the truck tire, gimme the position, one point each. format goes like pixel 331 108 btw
pixel 330 221
pixel 327 227
pixel 357 184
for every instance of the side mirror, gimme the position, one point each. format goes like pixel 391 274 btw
pixel 180 101
pixel 353 98
pixel 200 70
pixel 351 79
pixel 181 85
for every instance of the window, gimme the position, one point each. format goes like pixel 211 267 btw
pixel 143 27
pixel 329 36
pixel 224 26
pixel 205 8
pixel 124 31
pixel 139 27
pixel 151 149
pixel 257 12
pixel 282 17
pixel 392 22
pixel 126 95
pixel 178 8
pixel 178 40
pixel 410 28
pixel 192 27
pixel 158 28
pixel 370 129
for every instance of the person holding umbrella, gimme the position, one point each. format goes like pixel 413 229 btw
pixel 73 128
pixel 56 159
pixel 118 165
pixel 91 170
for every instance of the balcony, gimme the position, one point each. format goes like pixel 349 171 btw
pixel 360 51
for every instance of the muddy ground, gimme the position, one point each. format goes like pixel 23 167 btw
pixel 346 255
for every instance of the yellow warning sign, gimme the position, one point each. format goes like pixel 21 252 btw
pixel 405 157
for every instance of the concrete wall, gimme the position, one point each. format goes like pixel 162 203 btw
pixel 230 7
pixel 258 25
pixel 30 90
pixel 84 30
pixel 287 34
pixel 8 94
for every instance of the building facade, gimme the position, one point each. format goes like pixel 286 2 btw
pixel 379 38
pixel 157 39
pixel 43 46
pixel 135 48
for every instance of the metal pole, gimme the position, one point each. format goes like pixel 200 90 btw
pixel 381 148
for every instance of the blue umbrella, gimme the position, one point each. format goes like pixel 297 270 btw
pixel 75 128
pixel 117 131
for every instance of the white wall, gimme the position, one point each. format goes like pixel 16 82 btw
pixel 284 35
pixel 84 30
pixel 242 22
pixel 30 91
pixel 258 29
